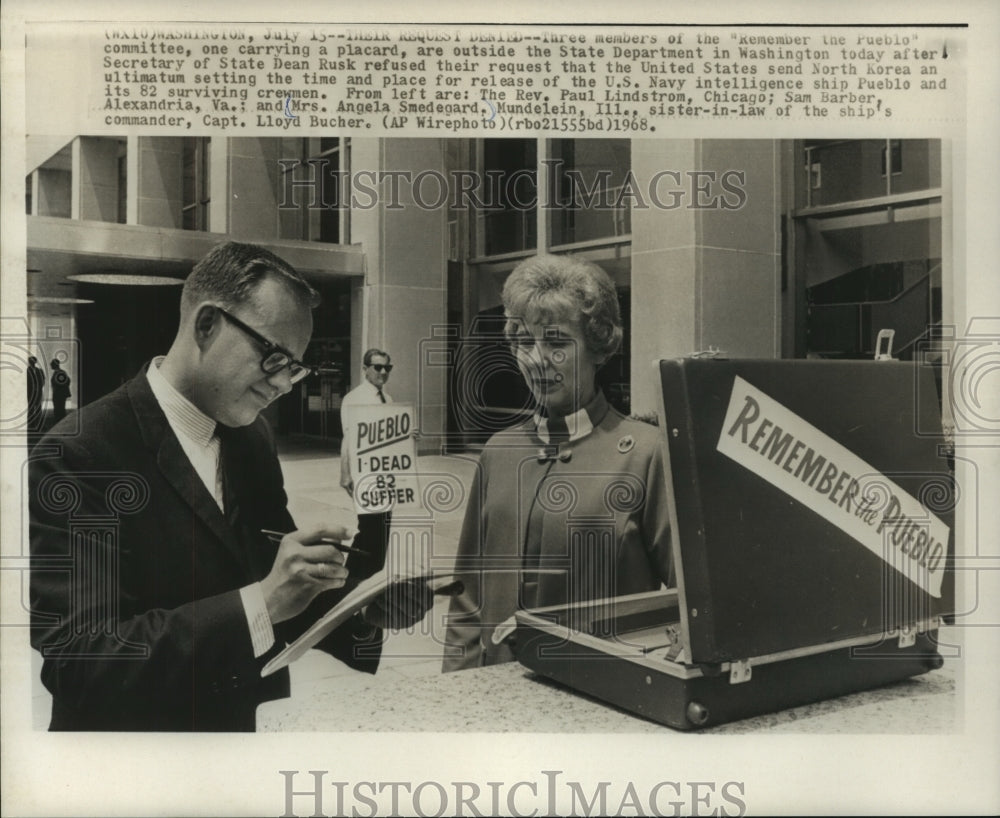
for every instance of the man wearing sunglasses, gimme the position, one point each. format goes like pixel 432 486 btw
pixel 373 529
pixel 163 618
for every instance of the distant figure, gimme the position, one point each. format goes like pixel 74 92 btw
pixel 373 529
pixel 60 390
pixel 36 388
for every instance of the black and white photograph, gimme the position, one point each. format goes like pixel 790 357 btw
pixel 440 414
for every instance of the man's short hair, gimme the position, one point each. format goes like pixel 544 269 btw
pixel 371 353
pixel 32 360
pixel 231 272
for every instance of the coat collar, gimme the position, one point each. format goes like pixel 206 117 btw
pixel 579 424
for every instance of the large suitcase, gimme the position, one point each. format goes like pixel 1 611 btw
pixel 811 506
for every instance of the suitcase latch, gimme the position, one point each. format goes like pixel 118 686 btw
pixel 711 352
pixel 883 345
pixel 907 637
pixel 740 672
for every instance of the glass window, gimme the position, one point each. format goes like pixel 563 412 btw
pixel 328 228
pixel 312 209
pixel 509 191
pixel 846 313
pixel 847 171
pixel 313 408
pixel 916 164
pixel 195 160
pixel 587 181
pixel 844 171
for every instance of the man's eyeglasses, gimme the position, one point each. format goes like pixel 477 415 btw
pixel 387 368
pixel 275 358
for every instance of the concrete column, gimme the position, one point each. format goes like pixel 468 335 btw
pixel 407 272
pixel 132 179
pixel 218 185
pixel 33 182
pixel 98 173
pixel 704 273
pixel 75 162
pixel 52 193
pixel 160 181
pixel 254 187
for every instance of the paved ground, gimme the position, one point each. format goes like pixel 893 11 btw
pixel 314 495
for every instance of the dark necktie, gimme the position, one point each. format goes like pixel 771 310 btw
pixel 381 397
pixel 233 474
pixel 227 473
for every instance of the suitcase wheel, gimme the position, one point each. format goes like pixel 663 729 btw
pixel 697 713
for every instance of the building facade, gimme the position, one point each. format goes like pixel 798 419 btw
pixel 748 248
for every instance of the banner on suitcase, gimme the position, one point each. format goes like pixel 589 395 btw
pixel 812 534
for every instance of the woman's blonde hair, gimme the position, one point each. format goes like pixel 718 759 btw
pixel 548 289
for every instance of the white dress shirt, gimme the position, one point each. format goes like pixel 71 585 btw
pixel 364 394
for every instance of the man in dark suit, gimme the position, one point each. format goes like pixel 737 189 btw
pixel 36 390
pixel 156 600
pixel 60 382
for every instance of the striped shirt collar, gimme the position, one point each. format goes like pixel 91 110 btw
pixel 182 415
pixel 579 424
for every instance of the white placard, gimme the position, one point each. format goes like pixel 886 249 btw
pixel 826 477
pixel 383 458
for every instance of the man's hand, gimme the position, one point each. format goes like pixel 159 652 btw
pixel 402 605
pixel 303 567
pixel 349 488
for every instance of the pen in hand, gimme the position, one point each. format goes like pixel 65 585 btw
pixel 276 537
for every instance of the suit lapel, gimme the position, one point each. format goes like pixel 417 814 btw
pixel 175 467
